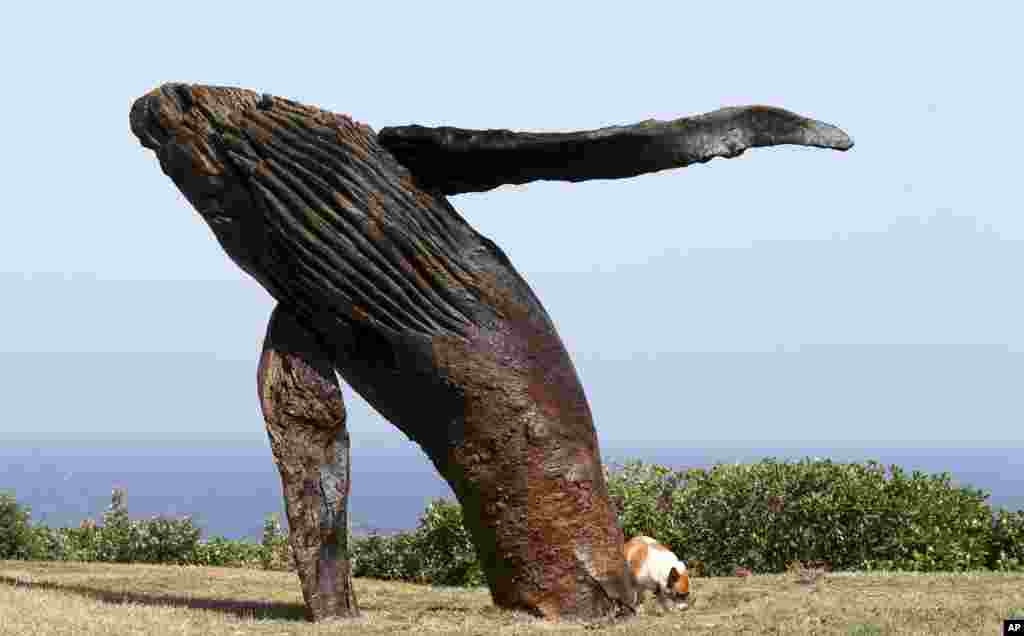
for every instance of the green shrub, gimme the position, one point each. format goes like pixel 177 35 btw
pixel 165 540
pixel 1007 548
pixel 642 496
pixel 389 558
pixel 275 552
pixel 123 540
pixel 113 542
pixel 764 515
pixel 272 553
pixel 79 544
pixel 18 539
pixel 51 544
pixel 929 525
pixel 222 552
pixel 439 552
pixel 445 548
pixel 760 516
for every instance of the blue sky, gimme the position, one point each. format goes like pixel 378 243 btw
pixel 789 294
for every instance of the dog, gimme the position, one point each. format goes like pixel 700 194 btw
pixel 654 567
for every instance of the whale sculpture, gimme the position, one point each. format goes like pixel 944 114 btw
pixel 378 278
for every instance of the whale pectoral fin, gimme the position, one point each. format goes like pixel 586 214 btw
pixel 456 160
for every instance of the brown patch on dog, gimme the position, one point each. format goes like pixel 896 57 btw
pixel 636 553
pixel 680 583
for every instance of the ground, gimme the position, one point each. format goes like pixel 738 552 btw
pixel 91 599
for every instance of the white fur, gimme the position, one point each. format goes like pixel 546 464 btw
pixel 653 574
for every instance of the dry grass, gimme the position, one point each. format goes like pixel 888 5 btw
pixel 90 599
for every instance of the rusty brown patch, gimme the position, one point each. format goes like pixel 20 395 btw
pixel 304 414
pixel 423 198
pixel 636 554
pixel 527 465
pixel 341 200
pixel 682 584
pixel 261 134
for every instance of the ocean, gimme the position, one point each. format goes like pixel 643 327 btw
pixel 228 486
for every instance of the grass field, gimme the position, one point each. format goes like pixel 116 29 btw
pixel 92 599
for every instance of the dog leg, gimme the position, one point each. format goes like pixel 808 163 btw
pixel 638 603
pixel 663 601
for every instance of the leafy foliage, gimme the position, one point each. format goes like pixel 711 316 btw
pixel 275 552
pixel 762 517
pixel 121 539
pixel 852 516
pixel 1006 552
pixel 17 539
pixel 222 552
pixel 445 548
pixel 386 557
pixel 440 551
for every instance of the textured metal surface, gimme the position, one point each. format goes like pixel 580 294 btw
pixel 455 160
pixel 305 418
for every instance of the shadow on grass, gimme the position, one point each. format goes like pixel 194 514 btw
pixel 457 609
pixel 239 608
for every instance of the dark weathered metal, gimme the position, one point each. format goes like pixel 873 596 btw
pixel 424 317
pixel 305 417
pixel 455 160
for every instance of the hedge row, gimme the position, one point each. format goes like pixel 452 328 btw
pixel 851 516
pixel 760 516
pixel 123 540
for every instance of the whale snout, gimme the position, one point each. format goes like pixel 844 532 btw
pixel 157 113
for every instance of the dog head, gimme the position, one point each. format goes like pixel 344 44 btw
pixel 678 585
